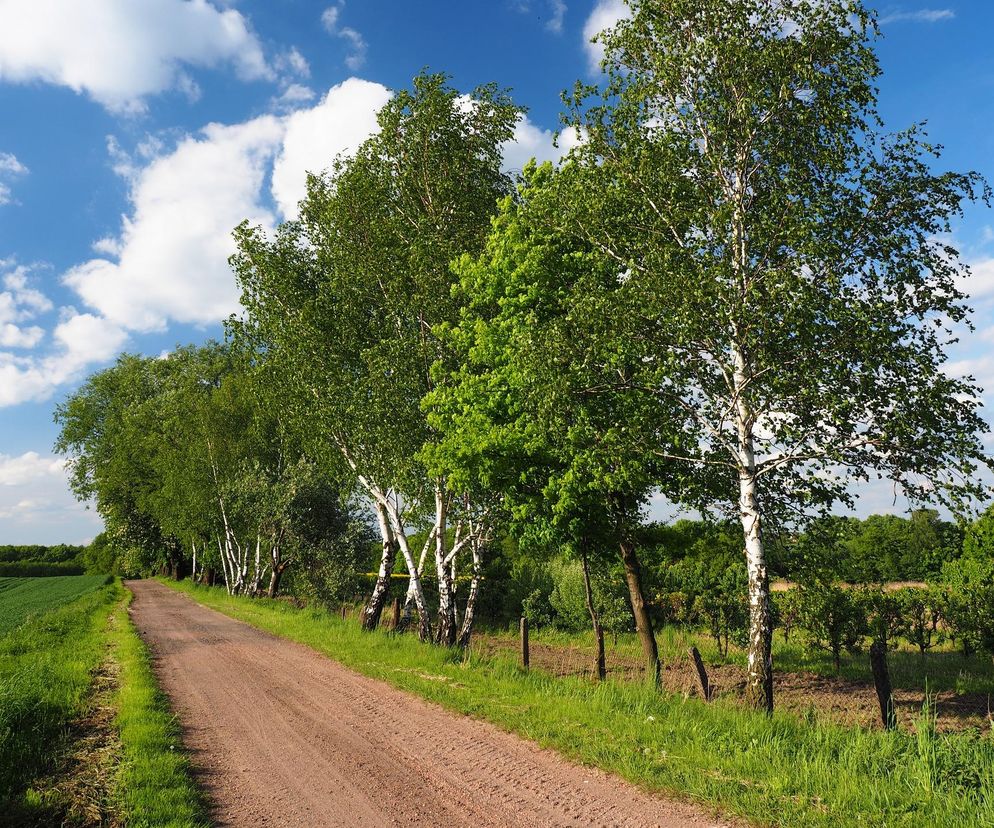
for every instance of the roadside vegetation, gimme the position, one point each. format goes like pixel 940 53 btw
pixel 784 771
pixel 460 390
pixel 69 645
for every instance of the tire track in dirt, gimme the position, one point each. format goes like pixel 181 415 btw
pixel 282 735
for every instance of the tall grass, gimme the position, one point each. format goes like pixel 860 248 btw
pixel 46 667
pixel 780 771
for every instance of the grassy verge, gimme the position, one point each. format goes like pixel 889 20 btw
pixel 47 671
pixel 155 788
pixel 46 668
pixel 781 771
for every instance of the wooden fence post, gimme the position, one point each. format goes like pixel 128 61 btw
pixel 396 613
pixel 702 674
pixel 343 612
pixel 881 680
pixel 524 642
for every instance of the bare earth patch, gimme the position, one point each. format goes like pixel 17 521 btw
pixel 834 699
pixel 282 735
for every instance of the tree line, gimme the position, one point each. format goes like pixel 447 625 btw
pixel 735 292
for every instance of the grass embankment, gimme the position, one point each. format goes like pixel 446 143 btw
pixel 781 771
pixel 47 669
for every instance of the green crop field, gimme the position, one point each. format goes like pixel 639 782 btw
pixel 22 598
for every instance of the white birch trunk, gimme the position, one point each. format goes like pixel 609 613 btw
pixel 759 673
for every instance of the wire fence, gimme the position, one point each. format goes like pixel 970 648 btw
pixel 960 689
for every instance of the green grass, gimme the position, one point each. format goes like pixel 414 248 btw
pixel 943 668
pixel 46 667
pixel 781 770
pixel 155 786
pixel 23 598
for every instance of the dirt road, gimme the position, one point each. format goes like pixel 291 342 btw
pixel 283 736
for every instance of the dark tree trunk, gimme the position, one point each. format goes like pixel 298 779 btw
pixel 594 617
pixel 381 591
pixel 274 580
pixel 643 623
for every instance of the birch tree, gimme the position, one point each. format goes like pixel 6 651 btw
pixel 534 410
pixel 345 301
pixel 798 291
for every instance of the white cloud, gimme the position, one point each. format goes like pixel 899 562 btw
pixel 36 505
pixel 169 261
pixel 344 118
pixel 173 248
pixel 118 52
pixel 79 340
pixel 604 15
pixel 531 141
pixel 555 22
pixel 980 283
pixel 921 16
pixel 293 62
pixel 357 44
pixel 10 167
pixel 30 466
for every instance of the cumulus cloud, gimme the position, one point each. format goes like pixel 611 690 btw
pixel 20 303
pixel 117 55
pixel 10 167
pixel 172 252
pixel 604 15
pixel 78 341
pixel 531 141
pixel 344 118
pixel 36 505
pixel 330 19
pixel 921 16
pixel 169 262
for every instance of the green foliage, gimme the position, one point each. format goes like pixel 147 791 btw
pixel 46 665
pixel 884 614
pixel 922 611
pixel 568 601
pixel 969 603
pixel 832 617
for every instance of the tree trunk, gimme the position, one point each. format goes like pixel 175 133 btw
pixel 424 618
pixel 474 588
pixel 409 599
pixel 759 678
pixel 446 634
pixel 274 580
pixel 381 590
pixel 643 623
pixel 594 617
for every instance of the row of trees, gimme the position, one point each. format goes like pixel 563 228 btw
pixel 734 292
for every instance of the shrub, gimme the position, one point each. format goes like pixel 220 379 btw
pixel 832 617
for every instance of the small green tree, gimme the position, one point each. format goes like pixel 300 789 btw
pixel 922 612
pixel 833 618
pixel 884 614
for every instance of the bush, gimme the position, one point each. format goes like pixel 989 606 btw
pixel 832 617
pixel 921 616
pixel 969 603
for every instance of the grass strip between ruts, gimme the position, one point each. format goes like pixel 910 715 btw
pixel 780 771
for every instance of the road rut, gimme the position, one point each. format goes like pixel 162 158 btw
pixel 281 735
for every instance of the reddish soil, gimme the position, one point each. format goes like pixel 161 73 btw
pixel 281 735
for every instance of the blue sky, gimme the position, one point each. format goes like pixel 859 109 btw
pixel 134 135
